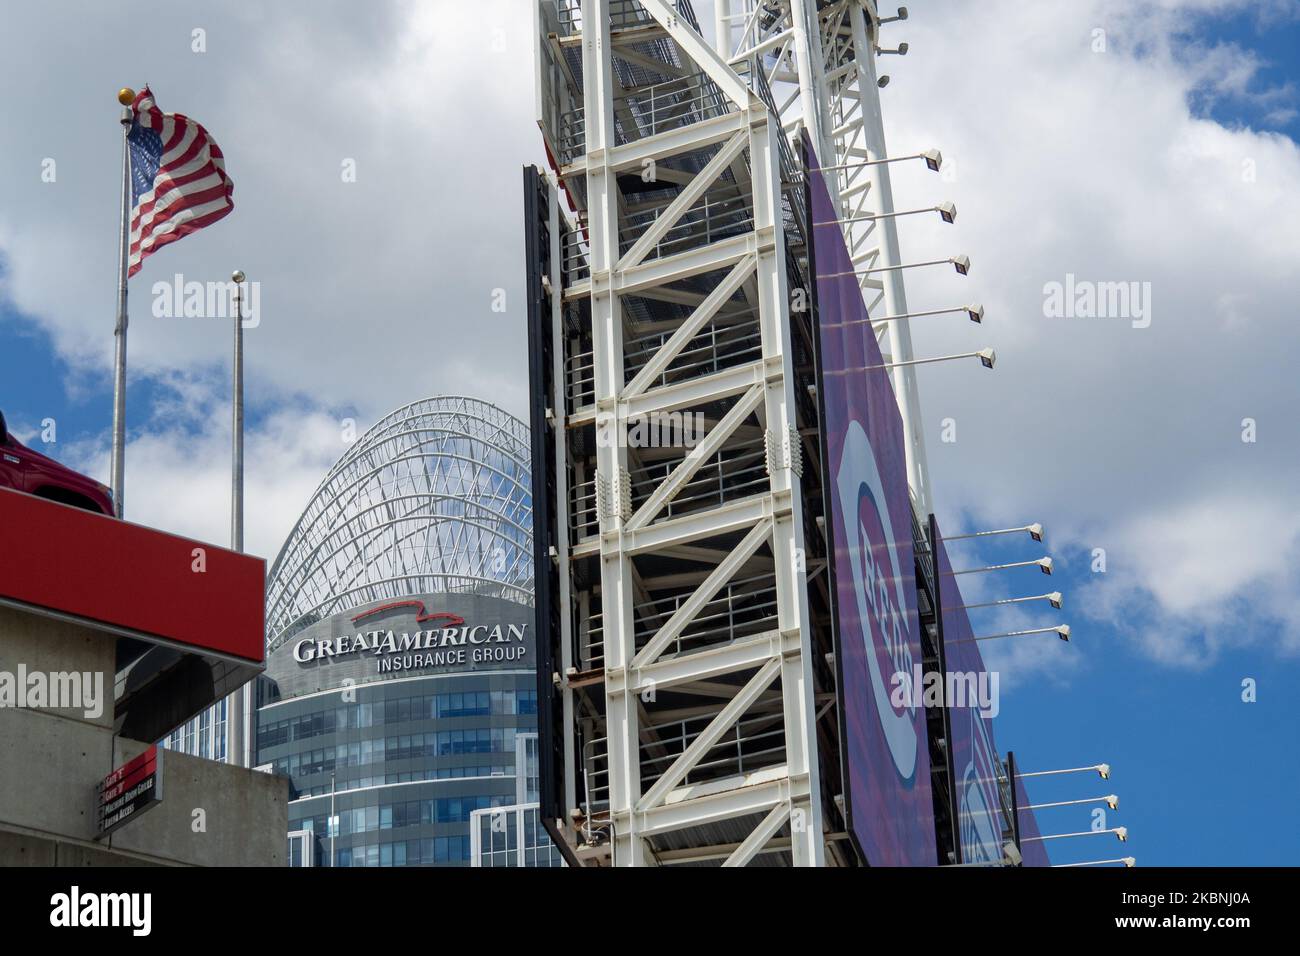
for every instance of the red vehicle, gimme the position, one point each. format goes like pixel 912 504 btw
pixel 25 470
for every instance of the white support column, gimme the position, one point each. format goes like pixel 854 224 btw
pixel 611 457
pixel 787 533
pixel 812 80
pixel 692 791
pixel 722 27
pixel 560 401
pixel 899 334
pixel 826 96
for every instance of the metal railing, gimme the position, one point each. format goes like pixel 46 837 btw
pixel 623 15
pixel 742 608
pixel 708 221
pixel 734 472
pixel 646 111
pixel 715 348
pixel 750 745
pixel 584 518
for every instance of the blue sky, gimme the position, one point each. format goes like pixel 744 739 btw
pixel 1124 165
pixel 1203 778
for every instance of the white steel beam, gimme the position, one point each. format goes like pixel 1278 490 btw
pixel 695 458
pixel 710 735
pixel 899 334
pixel 787 533
pixel 703 313
pixel 705 57
pixel 611 459
pixel 684 200
pixel 561 531
pixel 703 594
pixel 759 836
pixel 674 142
pixel 703 805
pixel 714 661
pixel 683 394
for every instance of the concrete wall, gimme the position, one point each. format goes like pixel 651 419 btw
pixel 211 814
pixel 52 762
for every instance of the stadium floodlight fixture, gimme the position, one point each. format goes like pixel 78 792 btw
pixel 1043 564
pixel 1035 530
pixel 933 159
pixel 946 210
pixel 1129 861
pixel 901 15
pixel 1054 599
pixel 974 311
pixel 1121 833
pixel 960 263
pixel 1060 630
pixel 1110 799
pixel 900 50
pixel 986 356
pixel 1101 768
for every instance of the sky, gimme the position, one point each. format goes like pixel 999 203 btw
pixel 1143 141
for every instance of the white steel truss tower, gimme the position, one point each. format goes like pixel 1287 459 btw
pixel 819 58
pixel 681 554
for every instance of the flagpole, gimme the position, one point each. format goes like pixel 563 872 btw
pixel 126 97
pixel 237 423
pixel 243 697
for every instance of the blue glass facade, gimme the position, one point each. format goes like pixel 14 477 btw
pixel 403 762
pixel 400 690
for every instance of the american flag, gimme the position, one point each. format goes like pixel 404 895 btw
pixel 178 179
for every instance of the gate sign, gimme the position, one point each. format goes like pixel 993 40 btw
pixel 974 756
pixel 130 790
pixel 883 734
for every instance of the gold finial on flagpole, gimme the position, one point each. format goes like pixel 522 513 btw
pixel 126 96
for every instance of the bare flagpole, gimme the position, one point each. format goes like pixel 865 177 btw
pixel 237 423
pixel 243 697
pixel 126 97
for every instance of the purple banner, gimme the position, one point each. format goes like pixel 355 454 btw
pixel 887 758
pixel 1032 853
pixel 971 696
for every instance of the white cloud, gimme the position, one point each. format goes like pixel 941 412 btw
pixel 376 293
pixel 180 479
pixel 1096 164
pixel 1203 576
pixel 373 293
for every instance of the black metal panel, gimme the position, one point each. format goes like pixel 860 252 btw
pixel 953 836
pixel 1015 798
pixel 542 392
